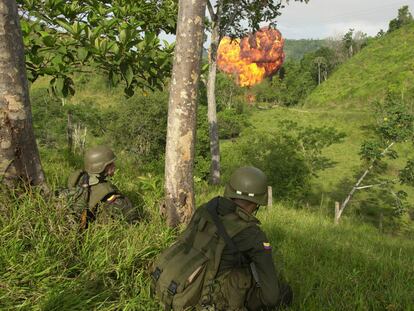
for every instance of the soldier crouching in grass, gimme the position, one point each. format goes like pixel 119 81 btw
pixel 223 260
pixel 93 196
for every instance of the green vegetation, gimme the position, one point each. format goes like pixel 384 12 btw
pixel 115 38
pixel 385 64
pixel 296 49
pixel 311 154
pixel 46 264
pixel 404 18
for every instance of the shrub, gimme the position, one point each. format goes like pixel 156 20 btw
pixel 139 126
pixel 231 123
pixel 290 157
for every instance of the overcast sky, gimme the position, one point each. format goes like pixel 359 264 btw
pixel 327 18
pixel 319 19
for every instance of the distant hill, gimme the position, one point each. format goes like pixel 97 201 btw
pixel 386 63
pixel 295 49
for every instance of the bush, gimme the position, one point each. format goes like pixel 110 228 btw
pixel 290 158
pixel 139 126
pixel 285 167
pixel 231 123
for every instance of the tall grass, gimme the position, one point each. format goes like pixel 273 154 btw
pixel 346 267
pixel 47 264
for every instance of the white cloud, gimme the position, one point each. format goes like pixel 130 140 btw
pixel 323 18
pixel 342 27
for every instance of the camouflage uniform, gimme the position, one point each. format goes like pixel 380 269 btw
pixel 99 199
pixel 223 260
pixel 235 287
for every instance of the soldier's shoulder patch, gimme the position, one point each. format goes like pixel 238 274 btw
pixel 267 246
pixel 112 198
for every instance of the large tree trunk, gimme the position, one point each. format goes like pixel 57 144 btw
pixel 182 106
pixel 19 156
pixel 211 98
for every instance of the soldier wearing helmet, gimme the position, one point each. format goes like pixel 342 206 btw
pixel 237 272
pixel 244 193
pixel 100 198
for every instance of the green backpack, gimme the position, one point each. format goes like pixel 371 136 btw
pixel 183 273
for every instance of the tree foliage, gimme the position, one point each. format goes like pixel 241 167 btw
pixel 404 18
pixel 395 124
pixel 290 157
pixel 297 79
pixel 118 38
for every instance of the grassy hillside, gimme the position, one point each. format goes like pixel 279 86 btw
pixel 295 49
pixel 386 63
pixel 334 183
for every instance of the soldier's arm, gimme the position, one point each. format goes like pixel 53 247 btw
pixel 120 207
pixel 268 292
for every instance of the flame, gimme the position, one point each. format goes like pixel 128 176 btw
pixel 252 58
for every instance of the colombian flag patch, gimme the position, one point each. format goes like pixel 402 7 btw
pixel 112 198
pixel 267 246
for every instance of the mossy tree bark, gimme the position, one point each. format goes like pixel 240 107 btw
pixel 19 156
pixel 182 107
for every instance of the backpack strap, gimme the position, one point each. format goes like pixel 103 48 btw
pixel 211 207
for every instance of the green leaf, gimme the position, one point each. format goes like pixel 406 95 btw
pixel 49 40
pixel 115 48
pixel 82 54
pixel 103 46
pixel 124 36
pixel 58 86
pixel 127 73
pixel 62 23
pixel 24 24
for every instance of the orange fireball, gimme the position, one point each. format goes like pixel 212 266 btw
pixel 255 57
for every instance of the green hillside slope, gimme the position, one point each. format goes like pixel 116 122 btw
pixel 295 49
pixel 387 63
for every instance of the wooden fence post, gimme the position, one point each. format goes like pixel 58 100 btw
pixel 337 213
pixel 269 196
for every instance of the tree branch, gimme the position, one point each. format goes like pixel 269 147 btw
pixel 376 185
pixel 213 15
pixel 360 180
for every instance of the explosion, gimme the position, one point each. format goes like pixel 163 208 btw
pixel 255 57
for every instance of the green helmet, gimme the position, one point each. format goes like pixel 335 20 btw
pixel 97 158
pixel 247 183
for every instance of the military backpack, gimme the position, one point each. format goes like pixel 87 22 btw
pixel 184 273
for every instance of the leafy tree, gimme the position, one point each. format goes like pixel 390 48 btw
pixel 139 126
pixel 235 19
pixel 297 79
pixel 380 33
pixel 353 42
pixel 404 17
pixel 395 124
pixel 62 37
pixel 118 38
pixel 348 42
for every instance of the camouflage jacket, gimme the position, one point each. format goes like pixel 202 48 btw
pixel 98 199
